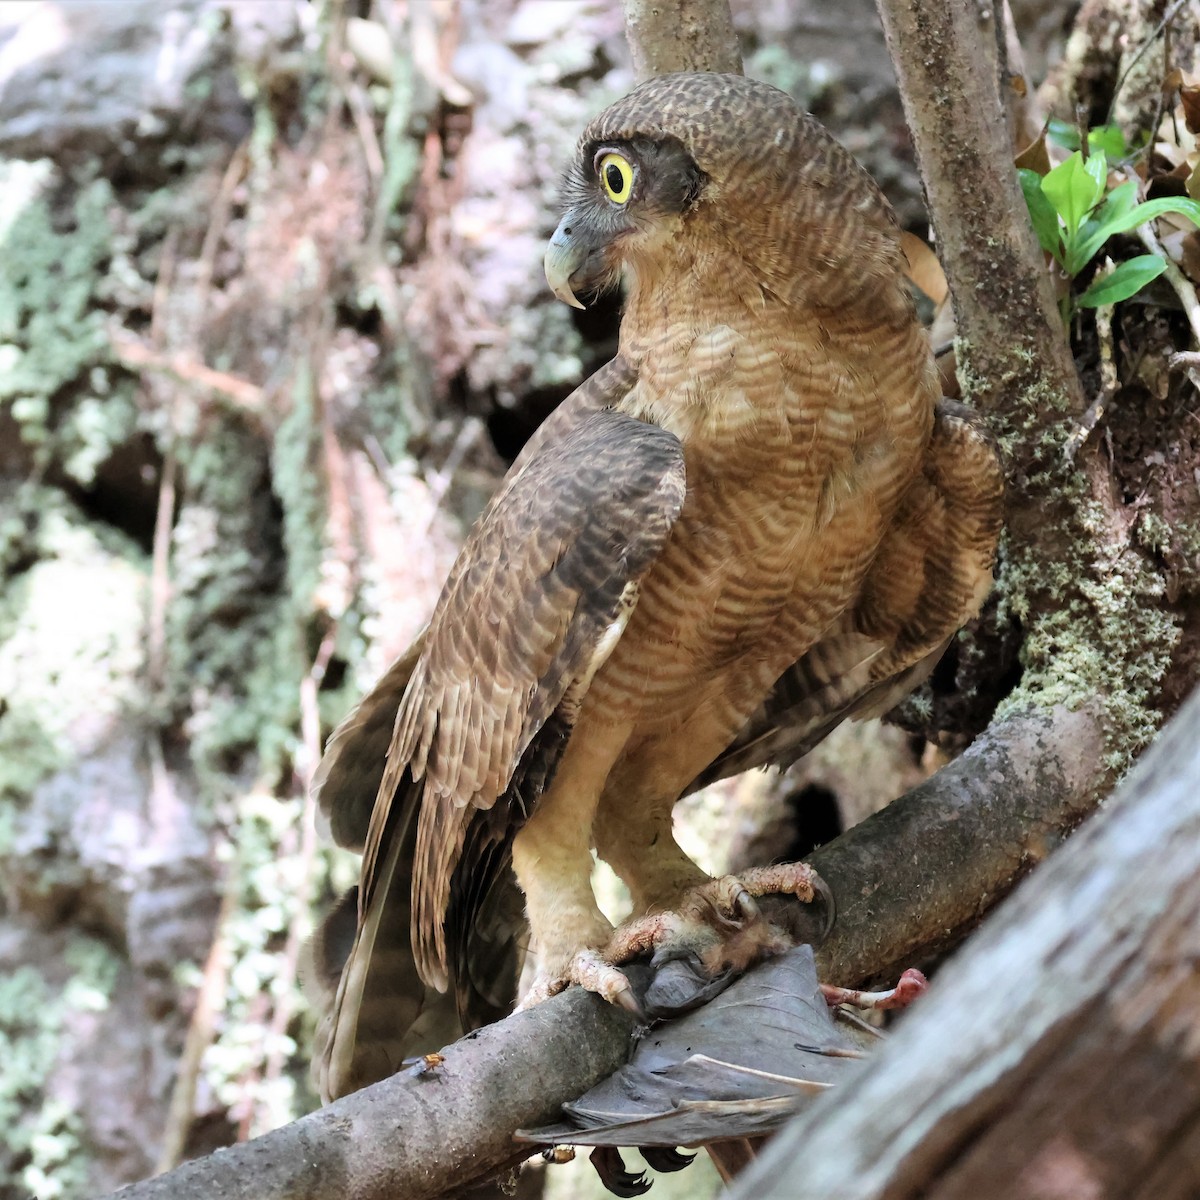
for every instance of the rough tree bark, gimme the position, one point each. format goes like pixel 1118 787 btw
pixel 418 1137
pixel 913 880
pixel 1057 1056
pixel 946 57
pixel 681 35
pixel 1088 599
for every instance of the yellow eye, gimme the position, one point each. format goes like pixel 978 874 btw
pixel 616 177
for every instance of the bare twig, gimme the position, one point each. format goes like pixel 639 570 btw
pixel 440 481
pixel 164 516
pixel 234 170
pixel 370 44
pixel 1188 361
pixel 183 367
pixel 135 355
pixel 209 999
pixel 360 113
pixel 1109 382
pixel 1176 278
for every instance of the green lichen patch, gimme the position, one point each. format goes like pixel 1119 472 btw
pixel 1090 602
pixel 56 377
pixel 43 1151
pixel 71 637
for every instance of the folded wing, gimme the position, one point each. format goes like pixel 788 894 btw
pixel 538 597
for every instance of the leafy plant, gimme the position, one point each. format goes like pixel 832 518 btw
pixel 1073 218
pixel 1108 139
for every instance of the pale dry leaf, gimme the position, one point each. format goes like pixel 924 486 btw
pixel 924 269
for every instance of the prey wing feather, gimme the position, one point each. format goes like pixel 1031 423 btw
pixel 931 574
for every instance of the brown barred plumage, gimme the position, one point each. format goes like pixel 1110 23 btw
pixel 755 522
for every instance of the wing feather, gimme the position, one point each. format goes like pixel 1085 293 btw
pixel 568 535
pixel 347 777
pixel 377 1008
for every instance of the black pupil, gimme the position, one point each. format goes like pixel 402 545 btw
pixel 614 178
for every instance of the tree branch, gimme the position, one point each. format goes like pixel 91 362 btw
pixel 418 1136
pixel 1057 1055
pixel 948 67
pixel 914 879
pixel 910 880
pixel 681 35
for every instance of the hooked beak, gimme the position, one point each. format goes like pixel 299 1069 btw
pixel 571 255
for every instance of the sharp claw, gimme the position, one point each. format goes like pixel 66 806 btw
pixel 628 1001
pixel 727 912
pixel 665 1158
pixel 611 1169
pixel 823 892
pixel 744 907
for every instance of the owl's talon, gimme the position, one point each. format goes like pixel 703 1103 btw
pixel 625 998
pixel 592 971
pixel 793 879
pixel 824 893
pixel 747 910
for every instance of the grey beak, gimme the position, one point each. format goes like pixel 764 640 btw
pixel 564 256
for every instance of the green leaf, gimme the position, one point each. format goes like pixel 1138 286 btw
pixel 1097 168
pixel 1128 279
pixel 1109 140
pixel 1095 231
pixel 1150 209
pixel 1118 202
pixel 1041 213
pixel 1063 133
pixel 1083 246
pixel 1073 190
pixel 1122 218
